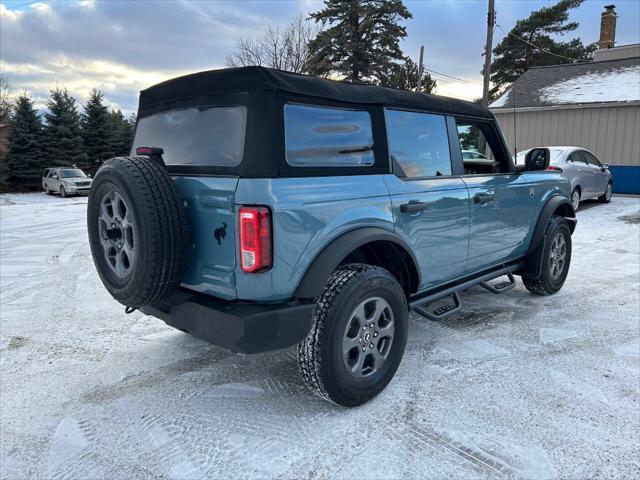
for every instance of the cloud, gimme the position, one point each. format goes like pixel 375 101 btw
pixel 121 47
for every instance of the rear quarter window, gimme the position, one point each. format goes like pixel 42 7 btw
pixel 204 136
pixel 318 136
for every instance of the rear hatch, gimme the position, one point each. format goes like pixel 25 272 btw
pixel 194 139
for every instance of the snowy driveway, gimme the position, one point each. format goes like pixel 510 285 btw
pixel 515 386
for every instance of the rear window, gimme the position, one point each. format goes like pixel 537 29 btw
pixel 205 136
pixel 327 137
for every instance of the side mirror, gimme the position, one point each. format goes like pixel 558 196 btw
pixel 55 176
pixel 89 175
pixel 537 159
pixel 604 167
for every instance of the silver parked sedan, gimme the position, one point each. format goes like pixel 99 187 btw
pixel 589 177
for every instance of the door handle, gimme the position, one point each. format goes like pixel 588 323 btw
pixel 413 206
pixel 483 198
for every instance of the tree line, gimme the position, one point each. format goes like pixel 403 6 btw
pixel 61 137
pixel 349 40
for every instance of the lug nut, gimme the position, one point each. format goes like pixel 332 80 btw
pixel 371 345
pixel 364 349
pixel 375 334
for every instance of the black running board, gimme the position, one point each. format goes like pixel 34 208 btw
pixel 420 304
pixel 501 287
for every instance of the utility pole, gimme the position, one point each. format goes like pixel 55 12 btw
pixel 491 21
pixel 420 68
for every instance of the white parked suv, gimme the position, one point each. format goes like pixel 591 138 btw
pixel 66 181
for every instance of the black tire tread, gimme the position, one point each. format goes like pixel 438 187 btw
pixel 309 349
pixel 537 285
pixel 160 204
pixel 603 198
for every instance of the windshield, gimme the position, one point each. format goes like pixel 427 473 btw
pixel 205 136
pixel 72 173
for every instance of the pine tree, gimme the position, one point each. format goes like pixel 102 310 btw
pixel 122 132
pixel 25 157
pixel 62 131
pixel 362 42
pixel 96 132
pixel 514 56
pixel 405 77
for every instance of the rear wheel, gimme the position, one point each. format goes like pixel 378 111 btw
pixel 554 259
pixel 358 336
pixel 575 199
pixel 606 196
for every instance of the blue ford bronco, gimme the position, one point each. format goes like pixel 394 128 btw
pixel 261 209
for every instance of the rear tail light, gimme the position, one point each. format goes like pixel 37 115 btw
pixel 553 168
pixel 255 238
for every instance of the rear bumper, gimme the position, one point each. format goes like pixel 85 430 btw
pixel 239 326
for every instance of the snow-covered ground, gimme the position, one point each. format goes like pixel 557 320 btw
pixel 515 386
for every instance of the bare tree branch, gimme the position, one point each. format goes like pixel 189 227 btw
pixel 282 48
pixel 5 101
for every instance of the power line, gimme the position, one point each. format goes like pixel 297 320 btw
pixel 184 12
pixel 580 60
pixel 448 76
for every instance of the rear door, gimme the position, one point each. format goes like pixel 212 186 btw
pixel 501 200
pixel 203 137
pixel 430 202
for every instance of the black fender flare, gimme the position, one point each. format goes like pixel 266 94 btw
pixel 324 264
pixel 556 202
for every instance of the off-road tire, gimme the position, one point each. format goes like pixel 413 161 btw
pixel 544 283
pixel 606 196
pixel 161 233
pixel 320 359
pixel 63 192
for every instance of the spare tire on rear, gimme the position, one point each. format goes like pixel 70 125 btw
pixel 138 230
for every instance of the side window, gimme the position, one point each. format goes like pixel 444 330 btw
pixel 578 157
pixel 418 143
pixel 591 159
pixel 318 136
pixel 477 155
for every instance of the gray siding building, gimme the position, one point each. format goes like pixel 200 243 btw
pixel 594 105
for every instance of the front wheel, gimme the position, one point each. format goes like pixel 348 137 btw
pixel 606 196
pixel 358 336
pixel 556 257
pixel 63 192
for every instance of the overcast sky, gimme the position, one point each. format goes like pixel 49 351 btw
pixel 123 46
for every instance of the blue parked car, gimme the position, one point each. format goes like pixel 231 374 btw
pixel 261 209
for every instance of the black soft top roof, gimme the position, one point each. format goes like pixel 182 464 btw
pixel 244 79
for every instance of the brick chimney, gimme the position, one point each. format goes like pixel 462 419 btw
pixel 608 27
